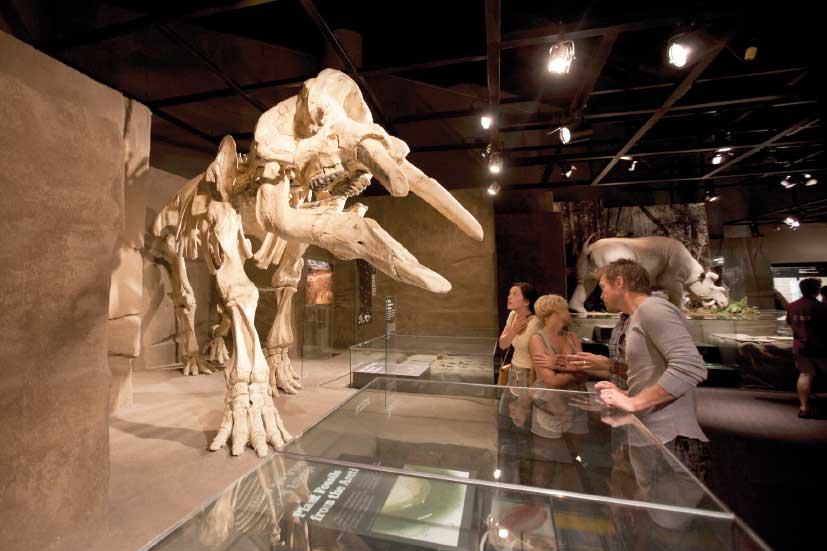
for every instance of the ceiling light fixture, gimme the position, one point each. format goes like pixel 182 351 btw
pixel 567 170
pixel 494 188
pixel 678 53
pixel 809 180
pixel 486 121
pixel 717 159
pixel 495 163
pixel 724 149
pixel 560 57
pixel 793 221
pixel 788 183
pixel 710 195
pixel 564 133
pixel 633 166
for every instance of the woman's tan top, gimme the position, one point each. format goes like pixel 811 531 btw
pixel 522 357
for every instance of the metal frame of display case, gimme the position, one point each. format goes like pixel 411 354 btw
pixel 406 496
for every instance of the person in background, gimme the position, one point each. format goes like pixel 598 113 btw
pixel 520 326
pixel 823 293
pixel 808 319
pixel 663 365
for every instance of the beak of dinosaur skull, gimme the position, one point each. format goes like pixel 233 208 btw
pixel 398 179
pixel 374 155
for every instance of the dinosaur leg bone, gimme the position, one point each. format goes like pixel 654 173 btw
pixel 183 298
pixel 250 416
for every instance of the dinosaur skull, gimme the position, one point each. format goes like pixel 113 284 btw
pixel 324 141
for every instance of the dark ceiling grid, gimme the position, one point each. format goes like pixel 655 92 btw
pixel 161 18
pixel 493 12
pixel 801 125
pixel 313 12
pixel 678 93
pixel 183 43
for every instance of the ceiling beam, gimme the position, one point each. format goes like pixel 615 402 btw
pixel 678 93
pixel 163 18
pixel 555 33
pixel 801 125
pixel 313 12
pixel 216 70
pixel 576 158
pixel 598 61
pixel 535 122
pixel 493 10
pixel 654 181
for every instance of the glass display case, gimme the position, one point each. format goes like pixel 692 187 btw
pixel 459 359
pixel 406 464
pixel 751 350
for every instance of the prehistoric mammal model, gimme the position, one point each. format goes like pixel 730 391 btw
pixel 670 265
pixel 309 154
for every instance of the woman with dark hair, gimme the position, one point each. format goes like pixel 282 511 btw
pixel 520 326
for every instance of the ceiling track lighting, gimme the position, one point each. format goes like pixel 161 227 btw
pixel 566 171
pixel 564 133
pixel 678 52
pixel 685 48
pixel 486 120
pixel 792 180
pixel 710 195
pixel 793 221
pixel 494 188
pixel 560 56
pixel 495 162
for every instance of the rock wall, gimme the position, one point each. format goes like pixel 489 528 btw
pixel 62 175
pixel 469 309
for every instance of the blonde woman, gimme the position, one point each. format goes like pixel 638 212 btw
pixel 549 347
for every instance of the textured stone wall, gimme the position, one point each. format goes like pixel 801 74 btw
pixel 469 309
pixel 62 174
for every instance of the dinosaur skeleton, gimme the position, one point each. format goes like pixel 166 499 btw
pixel 309 154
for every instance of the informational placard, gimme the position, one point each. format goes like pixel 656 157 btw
pixel 406 509
pixel 390 316
pixel 366 273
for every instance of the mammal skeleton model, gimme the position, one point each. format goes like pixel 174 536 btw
pixel 670 265
pixel 309 154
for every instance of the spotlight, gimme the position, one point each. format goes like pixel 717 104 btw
pixel 497 474
pixel 503 533
pixel 750 53
pixel 567 170
pixel 792 221
pixel 678 53
pixel 486 121
pixel 710 195
pixel 633 166
pixel 487 151
pixel 494 189
pixel 495 163
pixel 626 158
pixel 724 149
pixel 717 159
pixel 809 180
pixel 788 183
pixel 565 133
pixel 560 57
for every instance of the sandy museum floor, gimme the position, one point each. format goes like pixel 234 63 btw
pixel 161 469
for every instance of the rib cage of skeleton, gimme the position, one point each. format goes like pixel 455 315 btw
pixel 310 153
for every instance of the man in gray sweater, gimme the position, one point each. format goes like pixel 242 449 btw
pixel 663 363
